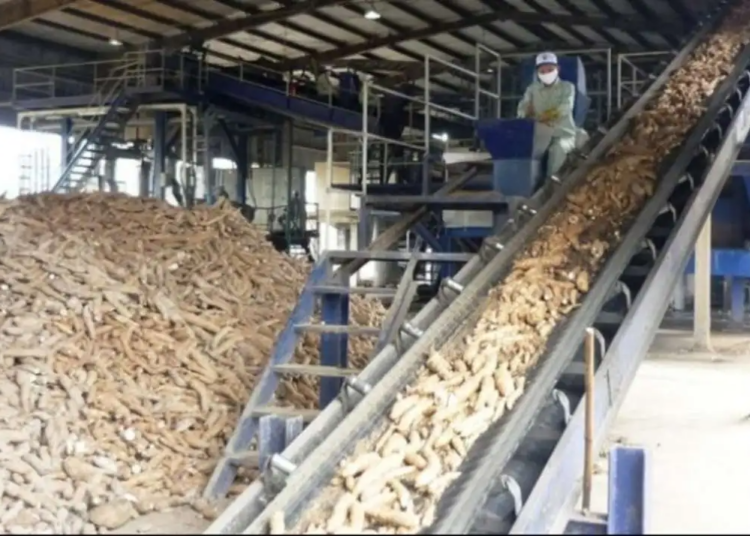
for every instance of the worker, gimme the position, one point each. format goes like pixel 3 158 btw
pixel 295 213
pixel 324 86
pixel 550 100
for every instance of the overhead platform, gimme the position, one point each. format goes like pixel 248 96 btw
pixel 175 79
pixel 315 111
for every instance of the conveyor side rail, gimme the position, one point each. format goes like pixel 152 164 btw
pixel 559 481
pixel 248 505
pixel 318 466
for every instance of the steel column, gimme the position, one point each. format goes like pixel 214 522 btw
pixel 66 131
pixel 333 346
pixel 158 182
pixel 737 298
pixel 288 159
pixel 209 180
pixel 243 166
pixel 110 168
pixel 702 282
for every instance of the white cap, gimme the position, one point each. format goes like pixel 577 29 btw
pixel 546 58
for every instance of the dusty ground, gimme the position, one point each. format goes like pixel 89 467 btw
pixel 692 411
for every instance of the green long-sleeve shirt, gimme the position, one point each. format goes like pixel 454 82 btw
pixel 559 96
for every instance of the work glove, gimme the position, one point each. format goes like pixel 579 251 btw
pixel 549 116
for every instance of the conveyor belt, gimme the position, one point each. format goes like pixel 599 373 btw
pixel 522 453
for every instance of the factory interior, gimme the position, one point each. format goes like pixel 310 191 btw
pixel 327 267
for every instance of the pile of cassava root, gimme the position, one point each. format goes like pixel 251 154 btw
pixel 132 335
pixel 393 481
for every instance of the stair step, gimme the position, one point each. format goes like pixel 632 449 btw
pixel 315 370
pixel 308 415
pixel 398 256
pixel 249 459
pixel 334 289
pixel 338 329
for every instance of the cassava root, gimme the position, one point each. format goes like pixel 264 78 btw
pixel 132 334
pixel 463 389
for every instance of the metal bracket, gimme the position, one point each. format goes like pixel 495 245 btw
pixel 669 207
pixel 352 392
pixel 601 340
pixel 275 474
pixel 511 485
pixel 622 287
pixel 689 178
pixel 412 330
pixel 450 283
pixel 564 402
pixel 649 244
pixel 491 247
pixel 527 209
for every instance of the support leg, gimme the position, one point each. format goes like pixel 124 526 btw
pixel 737 299
pixel 158 183
pixel 678 296
pixel 702 302
pixel 333 346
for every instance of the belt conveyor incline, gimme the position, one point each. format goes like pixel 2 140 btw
pixel 514 478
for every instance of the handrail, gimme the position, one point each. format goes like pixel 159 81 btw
pixel 110 92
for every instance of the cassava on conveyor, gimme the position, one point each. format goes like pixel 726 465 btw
pixel 394 477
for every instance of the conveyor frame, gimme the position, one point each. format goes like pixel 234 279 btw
pixel 556 485
pixel 321 455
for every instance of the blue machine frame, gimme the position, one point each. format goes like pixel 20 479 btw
pixel 628 496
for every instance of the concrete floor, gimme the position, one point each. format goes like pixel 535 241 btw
pixel 692 412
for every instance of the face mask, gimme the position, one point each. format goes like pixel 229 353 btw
pixel 548 78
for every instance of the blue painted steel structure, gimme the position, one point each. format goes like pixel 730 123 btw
pixel 89 150
pixel 730 256
pixel 521 474
pixel 184 78
pixel 517 148
pixel 331 286
pixel 628 496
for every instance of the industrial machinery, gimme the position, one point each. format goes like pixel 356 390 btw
pixel 520 475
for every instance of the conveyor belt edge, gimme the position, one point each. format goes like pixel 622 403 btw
pixel 249 505
pixel 553 492
pixel 463 501
pixel 320 464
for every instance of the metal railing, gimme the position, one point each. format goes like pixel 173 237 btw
pixel 631 77
pixel 275 218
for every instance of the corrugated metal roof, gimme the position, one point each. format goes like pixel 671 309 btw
pixel 335 29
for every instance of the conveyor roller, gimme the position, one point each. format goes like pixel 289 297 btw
pixel 514 478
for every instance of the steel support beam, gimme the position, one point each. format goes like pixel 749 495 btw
pixel 18 11
pixel 243 166
pixel 632 25
pixel 159 168
pixel 242 24
pixel 702 294
pixel 66 132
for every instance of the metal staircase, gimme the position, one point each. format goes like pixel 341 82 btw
pixel 86 153
pixel 266 428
